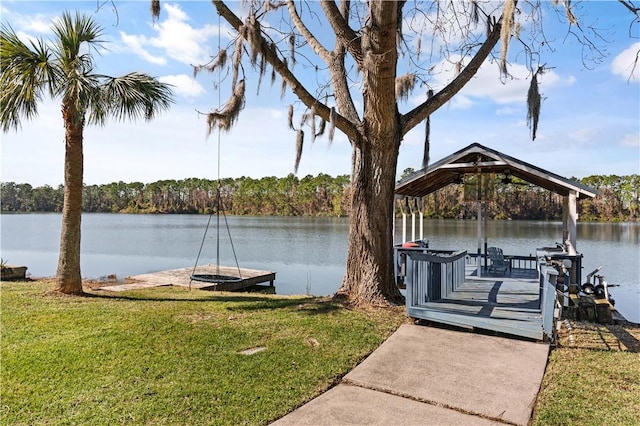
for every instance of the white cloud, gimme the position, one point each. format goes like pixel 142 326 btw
pixel 38 23
pixel 135 45
pixel 487 84
pixel 631 140
pixel 627 63
pixel 184 85
pixel 507 110
pixel 174 38
pixel 460 101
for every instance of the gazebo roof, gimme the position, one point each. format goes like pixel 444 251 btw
pixel 477 158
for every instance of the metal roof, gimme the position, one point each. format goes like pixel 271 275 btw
pixel 477 158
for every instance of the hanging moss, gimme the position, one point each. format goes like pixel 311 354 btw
pixel 155 9
pixel 534 100
pixel 505 32
pixel 299 143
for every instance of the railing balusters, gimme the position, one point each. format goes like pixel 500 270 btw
pixel 431 274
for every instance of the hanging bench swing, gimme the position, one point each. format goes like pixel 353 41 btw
pixel 217 277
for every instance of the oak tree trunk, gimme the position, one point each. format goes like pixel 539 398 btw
pixel 69 279
pixel 369 277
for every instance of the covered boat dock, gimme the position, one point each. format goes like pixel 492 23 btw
pixel 459 288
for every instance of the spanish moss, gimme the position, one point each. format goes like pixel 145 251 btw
pixel 505 32
pixel 332 124
pixel 404 86
pixel 533 103
pixel 155 9
pixel 299 143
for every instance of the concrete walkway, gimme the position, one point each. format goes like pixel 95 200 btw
pixel 430 376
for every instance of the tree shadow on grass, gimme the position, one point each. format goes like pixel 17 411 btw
pixel 625 337
pixel 239 302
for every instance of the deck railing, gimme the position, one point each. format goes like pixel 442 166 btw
pixel 430 275
pixel 517 261
pixel 549 306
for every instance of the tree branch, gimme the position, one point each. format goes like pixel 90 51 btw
pixel 281 68
pixel 344 101
pixel 304 31
pixel 634 10
pixel 347 36
pixel 415 116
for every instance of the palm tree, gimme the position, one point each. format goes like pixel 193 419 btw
pixel 64 69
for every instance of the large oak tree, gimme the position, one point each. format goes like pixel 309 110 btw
pixel 352 51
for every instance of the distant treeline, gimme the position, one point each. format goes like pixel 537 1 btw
pixel 320 195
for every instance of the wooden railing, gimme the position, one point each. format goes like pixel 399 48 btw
pixel 517 262
pixel 430 274
pixel 550 308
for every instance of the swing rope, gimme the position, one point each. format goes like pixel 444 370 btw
pixel 217 278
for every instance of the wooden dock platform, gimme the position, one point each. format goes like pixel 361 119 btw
pixel 182 278
pixel 506 303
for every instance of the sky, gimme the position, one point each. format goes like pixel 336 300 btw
pixel 589 123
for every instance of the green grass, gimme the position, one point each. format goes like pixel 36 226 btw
pixel 170 356
pixel 592 378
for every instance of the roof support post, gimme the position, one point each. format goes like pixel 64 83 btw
pixel 479 257
pixel 413 218
pixel 420 204
pixel 570 222
pixel 404 207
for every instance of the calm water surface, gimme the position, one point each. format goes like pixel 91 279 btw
pixel 307 254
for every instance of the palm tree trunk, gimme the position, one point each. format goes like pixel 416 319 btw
pixel 68 277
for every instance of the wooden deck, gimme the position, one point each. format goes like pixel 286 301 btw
pixel 182 277
pixel 507 303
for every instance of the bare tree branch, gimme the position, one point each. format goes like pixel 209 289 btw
pixel 422 111
pixel 348 37
pixel 308 36
pixel 339 74
pixel 280 66
pixel 633 9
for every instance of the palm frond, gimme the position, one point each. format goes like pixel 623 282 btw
pixel 71 32
pixel 26 74
pixel 82 91
pixel 65 69
pixel 132 96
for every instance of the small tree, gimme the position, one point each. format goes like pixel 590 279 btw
pixel 381 53
pixel 65 70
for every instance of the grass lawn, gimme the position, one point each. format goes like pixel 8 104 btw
pixel 592 378
pixel 171 356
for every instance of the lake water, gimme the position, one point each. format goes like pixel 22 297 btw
pixel 307 254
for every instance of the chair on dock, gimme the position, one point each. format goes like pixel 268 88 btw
pixel 498 261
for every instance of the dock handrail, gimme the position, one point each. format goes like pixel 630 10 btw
pixel 429 274
pixel 517 261
pixel 549 305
